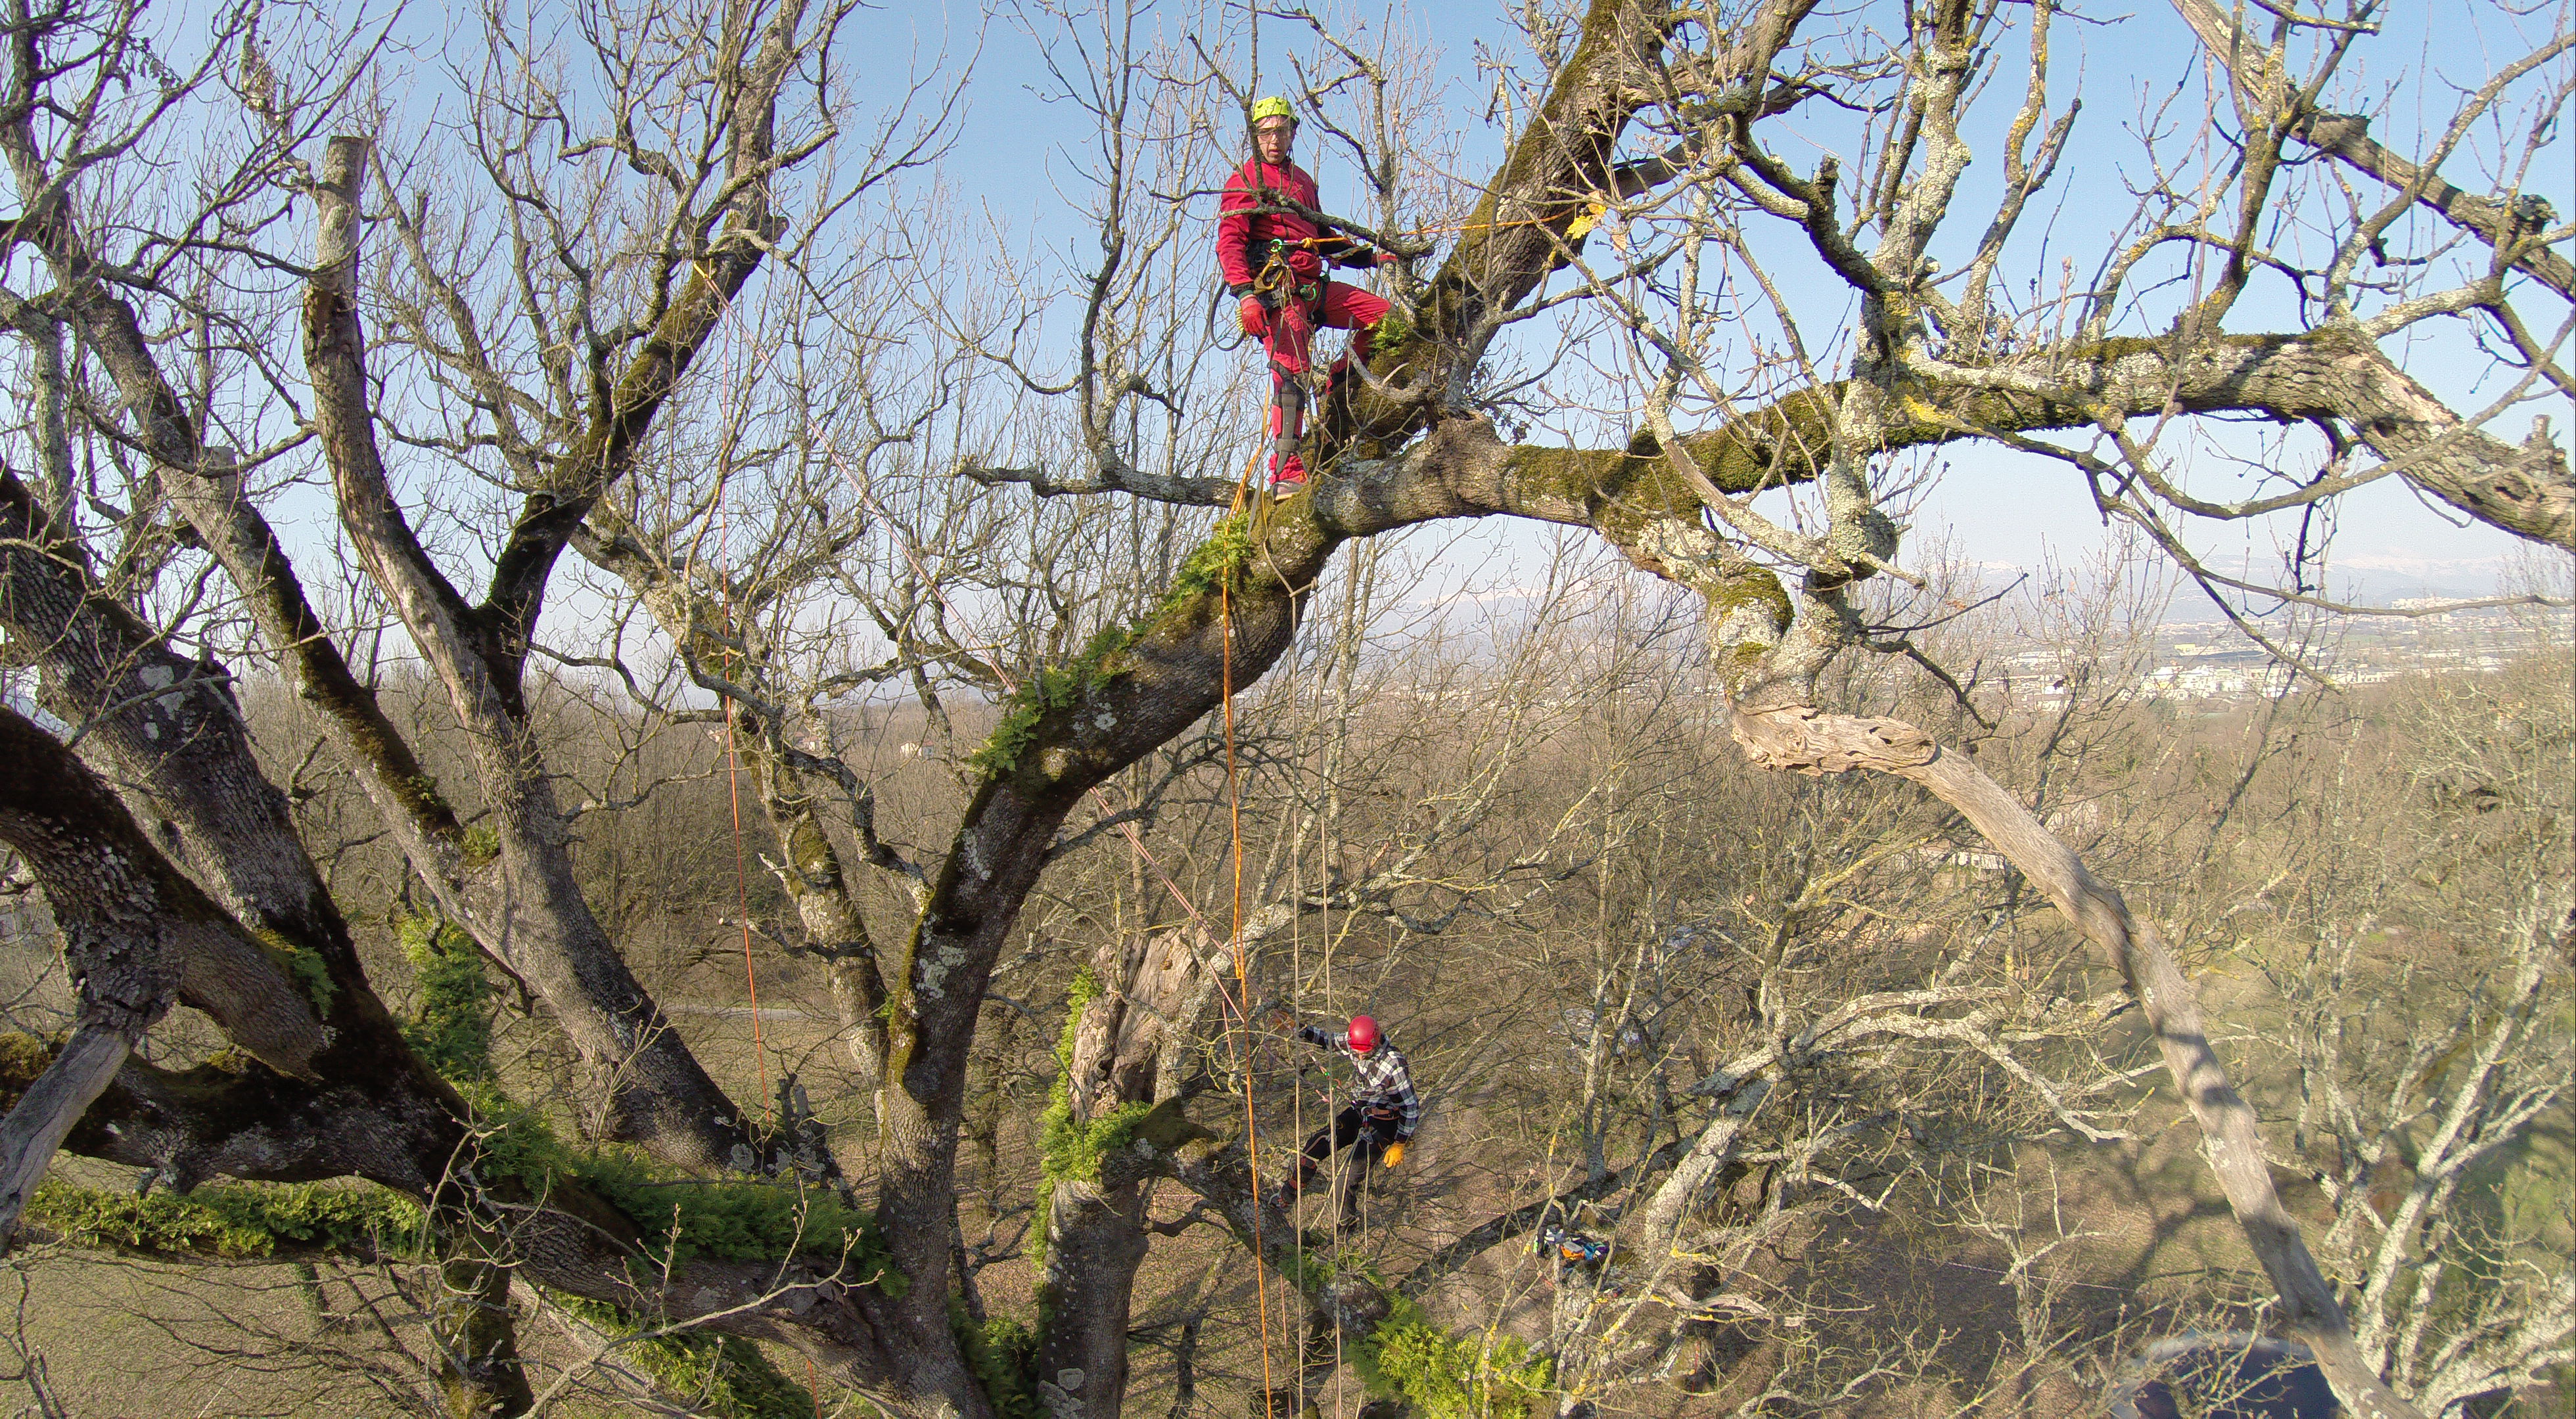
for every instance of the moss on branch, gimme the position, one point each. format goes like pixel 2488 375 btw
pixel 452 1028
pixel 1441 1374
pixel 722 1377
pixel 1438 1373
pixel 680 1217
pixel 1003 1355
pixel 1218 563
pixel 1791 439
pixel 236 1221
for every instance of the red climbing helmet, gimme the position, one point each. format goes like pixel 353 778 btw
pixel 1363 1034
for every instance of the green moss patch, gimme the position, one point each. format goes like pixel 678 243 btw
pixel 680 1217
pixel 719 1376
pixel 1219 561
pixel 1443 1375
pixel 235 1221
pixel 452 1030
pixel 304 964
pixel 1071 1152
pixel 1003 1353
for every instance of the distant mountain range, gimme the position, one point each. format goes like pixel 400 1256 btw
pixel 2385 577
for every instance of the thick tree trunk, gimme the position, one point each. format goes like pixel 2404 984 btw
pixel 1059 739
pixel 1096 1239
pixel 165 723
pixel 1151 995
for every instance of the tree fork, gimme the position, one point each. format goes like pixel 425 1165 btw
pixel 659 1093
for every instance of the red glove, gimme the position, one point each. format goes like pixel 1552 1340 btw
pixel 1387 258
pixel 1305 263
pixel 1252 315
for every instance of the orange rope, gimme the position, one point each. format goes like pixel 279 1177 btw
pixel 741 874
pixel 742 896
pixel 1243 992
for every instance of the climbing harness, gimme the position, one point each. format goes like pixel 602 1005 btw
pixel 1293 303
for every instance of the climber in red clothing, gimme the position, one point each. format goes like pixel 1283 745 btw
pixel 1272 253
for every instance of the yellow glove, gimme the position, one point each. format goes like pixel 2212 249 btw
pixel 1394 1153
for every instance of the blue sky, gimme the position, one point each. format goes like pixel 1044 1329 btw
pixel 1012 151
pixel 1018 157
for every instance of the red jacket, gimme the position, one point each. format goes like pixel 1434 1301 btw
pixel 1243 234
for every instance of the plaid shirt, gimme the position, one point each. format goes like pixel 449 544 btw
pixel 1379 1075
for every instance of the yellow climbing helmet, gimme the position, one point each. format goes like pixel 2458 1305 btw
pixel 1272 107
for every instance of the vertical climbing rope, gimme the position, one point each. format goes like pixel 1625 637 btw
pixel 1241 1001
pixel 1242 984
pixel 733 791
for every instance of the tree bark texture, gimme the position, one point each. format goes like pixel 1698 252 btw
pixel 530 906
pixel 477 1367
pixel 155 719
pixel 1152 994
pixel 134 933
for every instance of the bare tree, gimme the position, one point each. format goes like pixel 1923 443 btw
pixel 1934 358
pixel 614 319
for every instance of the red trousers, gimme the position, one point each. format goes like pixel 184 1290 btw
pixel 1288 334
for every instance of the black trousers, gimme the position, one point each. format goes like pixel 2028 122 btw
pixel 1368 1138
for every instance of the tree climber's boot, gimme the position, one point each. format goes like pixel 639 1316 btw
pixel 1284 1196
pixel 1287 429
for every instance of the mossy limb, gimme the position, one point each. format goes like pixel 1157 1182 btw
pixel 1220 560
pixel 720 1376
pixel 235 1221
pixel 680 1217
